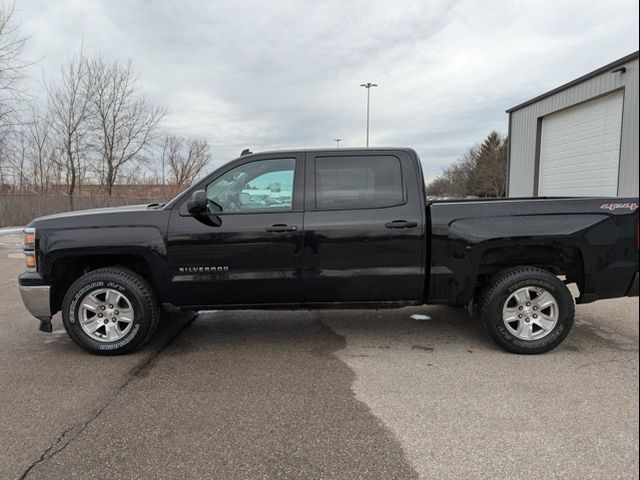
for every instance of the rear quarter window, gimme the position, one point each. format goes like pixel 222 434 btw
pixel 358 182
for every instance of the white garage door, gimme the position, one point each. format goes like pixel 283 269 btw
pixel 580 149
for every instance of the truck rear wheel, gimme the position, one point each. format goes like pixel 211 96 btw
pixel 110 311
pixel 527 310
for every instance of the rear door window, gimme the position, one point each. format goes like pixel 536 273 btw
pixel 345 183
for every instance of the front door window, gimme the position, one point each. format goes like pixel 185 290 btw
pixel 265 185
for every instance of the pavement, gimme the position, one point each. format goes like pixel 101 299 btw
pixel 356 394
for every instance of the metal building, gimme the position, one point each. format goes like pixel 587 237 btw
pixel 579 139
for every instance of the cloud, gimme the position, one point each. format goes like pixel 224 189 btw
pixel 282 74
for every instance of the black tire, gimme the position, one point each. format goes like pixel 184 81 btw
pixel 136 291
pixel 501 288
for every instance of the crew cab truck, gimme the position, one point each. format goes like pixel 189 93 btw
pixel 328 228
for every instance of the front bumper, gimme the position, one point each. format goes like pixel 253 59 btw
pixel 633 288
pixel 36 299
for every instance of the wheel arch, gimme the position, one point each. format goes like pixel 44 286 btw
pixel 560 260
pixel 66 270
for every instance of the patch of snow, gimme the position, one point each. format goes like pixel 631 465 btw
pixel 11 231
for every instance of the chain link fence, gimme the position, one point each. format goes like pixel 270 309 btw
pixel 17 209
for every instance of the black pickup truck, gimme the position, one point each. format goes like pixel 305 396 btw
pixel 328 228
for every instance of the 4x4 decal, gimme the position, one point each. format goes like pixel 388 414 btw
pixel 619 206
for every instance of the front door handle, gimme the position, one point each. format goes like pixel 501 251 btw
pixel 401 224
pixel 281 227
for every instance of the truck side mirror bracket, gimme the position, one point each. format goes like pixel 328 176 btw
pixel 197 206
pixel 197 203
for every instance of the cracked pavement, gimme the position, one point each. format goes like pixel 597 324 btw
pixel 410 393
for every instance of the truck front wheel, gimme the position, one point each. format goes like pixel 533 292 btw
pixel 110 311
pixel 527 310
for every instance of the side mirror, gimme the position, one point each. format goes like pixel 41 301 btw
pixel 197 203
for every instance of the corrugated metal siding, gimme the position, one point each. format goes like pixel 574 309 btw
pixel 524 127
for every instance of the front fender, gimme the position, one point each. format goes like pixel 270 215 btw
pixel 146 242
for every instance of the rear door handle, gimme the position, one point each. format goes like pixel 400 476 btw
pixel 281 227
pixel 401 224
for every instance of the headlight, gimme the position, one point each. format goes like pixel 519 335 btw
pixel 29 238
pixel 29 246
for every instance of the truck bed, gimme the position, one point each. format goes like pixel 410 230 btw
pixel 593 241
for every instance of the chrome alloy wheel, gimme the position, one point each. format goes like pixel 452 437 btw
pixel 530 313
pixel 106 315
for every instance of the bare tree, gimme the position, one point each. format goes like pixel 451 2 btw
pixel 19 161
pixel 69 106
pixel 11 70
pixel 41 151
pixel 14 165
pixel 438 187
pixel 11 67
pixel 124 121
pixel 457 179
pixel 6 168
pixel 184 159
pixel 480 172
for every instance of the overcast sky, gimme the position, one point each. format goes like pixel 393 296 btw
pixel 281 74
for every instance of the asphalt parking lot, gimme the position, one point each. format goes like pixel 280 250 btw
pixel 410 393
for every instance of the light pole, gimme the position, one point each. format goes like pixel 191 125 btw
pixel 337 140
pixel 368 86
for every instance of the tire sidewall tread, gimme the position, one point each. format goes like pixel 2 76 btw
pixel 502 285
pixel 138 292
